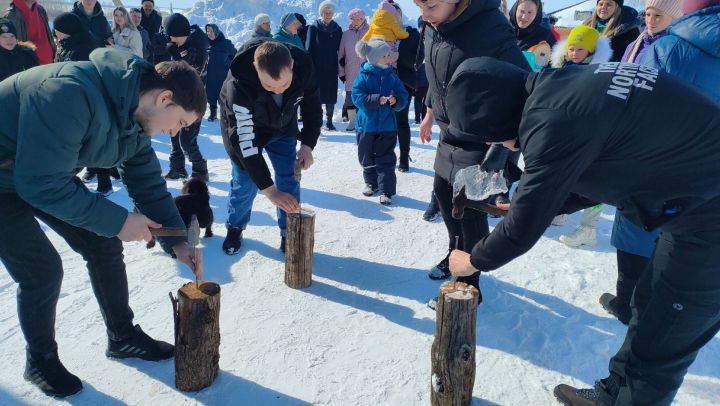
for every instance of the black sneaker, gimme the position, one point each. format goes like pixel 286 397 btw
pixel 175 174
pixel 612 305
pixel 330 126
pixel 282 244
pixel 47 373
pixel 442 269
pixel 233 241
pixel 369 190
pixel 140 345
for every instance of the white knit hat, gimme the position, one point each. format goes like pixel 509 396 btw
pixel 326 4
pixel 261 19
pixel 672 8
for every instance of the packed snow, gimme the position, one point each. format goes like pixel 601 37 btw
pixel 361 334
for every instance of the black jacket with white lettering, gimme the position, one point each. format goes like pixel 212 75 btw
pixel 620 134
pixel 249 116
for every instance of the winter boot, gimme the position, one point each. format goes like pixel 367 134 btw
pixel 369 190
pixel 560 220
pixel 200 171
pixel 404 164
pixel 352 115
pixel 104 187
pixel 585 234
pixel 176 173
pixel 47 373
pixel 139 345
pixel 604 393
pixel 213 114
pixel 329 125
pixel 89 175
pixel 233 241
pixel 114 173
pixel 442 269
pixel 385 199
pixel 433 210
pixel 619 305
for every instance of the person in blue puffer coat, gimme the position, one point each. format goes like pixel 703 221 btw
pixel 691 51
pixel 378 94
pixel 220 55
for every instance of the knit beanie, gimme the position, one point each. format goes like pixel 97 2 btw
pixel 672 8
pixel 68 24
pixel 261 19
pixel 583 36
pixel 372 50
pixel 177 26
pixel 691 6
pixel 356 13
pixel 7 27
pixel 287 19
pixel 326 4
pixel 620 3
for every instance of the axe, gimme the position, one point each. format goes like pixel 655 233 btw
pixel 461 202
pixel 193 237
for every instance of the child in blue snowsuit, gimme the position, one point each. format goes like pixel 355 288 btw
pixel 378 93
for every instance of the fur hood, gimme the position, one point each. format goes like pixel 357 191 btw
pixel 603 53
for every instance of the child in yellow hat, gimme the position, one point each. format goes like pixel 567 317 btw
pixel 583 46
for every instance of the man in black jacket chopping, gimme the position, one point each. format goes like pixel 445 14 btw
pixel 268 80
pixel 651 151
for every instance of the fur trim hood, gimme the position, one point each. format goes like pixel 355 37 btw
pixel 603 53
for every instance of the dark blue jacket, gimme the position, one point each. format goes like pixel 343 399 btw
pixel 220 55
pixel 691 50
pixel 371 83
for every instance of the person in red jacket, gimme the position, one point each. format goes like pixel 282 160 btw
pixel 31 22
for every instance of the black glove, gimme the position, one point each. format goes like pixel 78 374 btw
pixel 495 158
pixel 342 79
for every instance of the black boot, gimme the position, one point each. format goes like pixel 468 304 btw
pixel 139 345
pixel 330 126
pixel 619 305
pixel 404 165
pixel 233 241
pixel 174 174
pixel 104 186
pixel 47 373
pixel 199 170
pixel 213 114
pixel 114 173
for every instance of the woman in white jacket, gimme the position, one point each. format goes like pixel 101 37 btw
pixel 125 34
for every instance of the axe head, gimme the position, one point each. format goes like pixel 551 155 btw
pixel 193 232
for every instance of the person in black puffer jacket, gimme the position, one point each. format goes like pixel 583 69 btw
pixel 455 32
pixel 528 26
pixel 94 22
pixel 407 49
pixel 616 22
pixel 14 56
pixel 220 55
pixel 189 44
pixel 74 42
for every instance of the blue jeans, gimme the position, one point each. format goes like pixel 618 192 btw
pixel 281 150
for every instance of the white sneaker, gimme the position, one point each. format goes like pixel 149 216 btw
pixel 582 236
pixel 560 220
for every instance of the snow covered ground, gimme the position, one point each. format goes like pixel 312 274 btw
pixel 361 334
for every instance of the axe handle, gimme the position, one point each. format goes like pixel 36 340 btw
pixel 168 232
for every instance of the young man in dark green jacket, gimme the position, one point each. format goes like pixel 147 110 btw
pixel 58 118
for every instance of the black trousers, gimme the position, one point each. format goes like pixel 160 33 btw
pixel 36 267
pixel 420 107
pixel 469 230
pixel 403 125
pixel 676 311
pixel 183 144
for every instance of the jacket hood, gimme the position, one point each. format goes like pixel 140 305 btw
pixel 603 53
pixel 489 96
pixel 97 10
pixel 120 73
pixel 512 16
pixel 700 29
pixel 218 34
pixel 466 11
pixel 628 20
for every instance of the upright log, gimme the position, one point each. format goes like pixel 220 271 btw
pixel 197 335
pixel 299 249
pixel 453 350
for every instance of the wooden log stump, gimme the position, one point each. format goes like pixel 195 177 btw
pixel 453 350
pixel 197 335
pixel 299 249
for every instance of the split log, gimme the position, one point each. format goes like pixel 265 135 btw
pixel 299 249
pixel 453 350
pixel 197 335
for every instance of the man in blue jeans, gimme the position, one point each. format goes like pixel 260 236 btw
pixel 258 111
